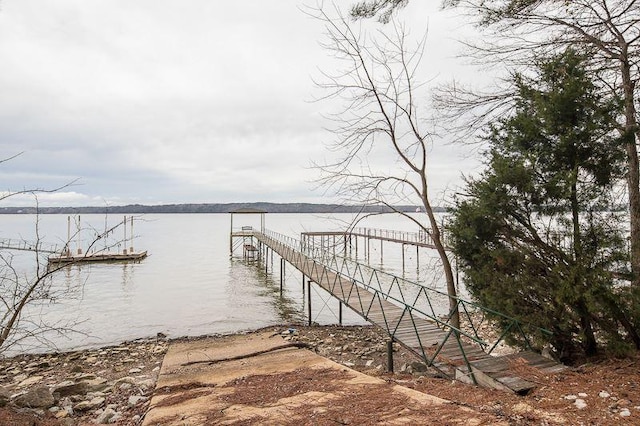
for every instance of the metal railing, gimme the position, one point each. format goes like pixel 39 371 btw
pixel 35 246
pixel 408 300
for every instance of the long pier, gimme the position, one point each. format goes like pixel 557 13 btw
pixel 347 241
pixel 407 312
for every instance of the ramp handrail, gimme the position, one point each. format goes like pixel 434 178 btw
pixel 409 295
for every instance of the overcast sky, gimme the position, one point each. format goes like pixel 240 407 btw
pixel 195 101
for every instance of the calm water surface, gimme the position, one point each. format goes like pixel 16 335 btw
pixel 189 285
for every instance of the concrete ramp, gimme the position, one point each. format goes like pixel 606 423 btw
pixel 262 379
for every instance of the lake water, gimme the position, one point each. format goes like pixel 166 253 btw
pixel 189 285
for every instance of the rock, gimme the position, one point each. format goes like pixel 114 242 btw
pixel 582 395
pixel 126 379
pixel 96 385
pixel 418 367
pixel 89 405
pixel 37 397
pixel 20 377
pixel 571 397
pixel 84 376
pixel 125 386
pixel 604 394
pixel 148 384
pixel 135 371
pixel 30 381
pixel 60 414
pixel 106 417
pixel 135 399
pixel 69 387
pixel 580 404
pixel 625 412
pixel 5 396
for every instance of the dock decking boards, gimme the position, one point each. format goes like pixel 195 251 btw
pixel 455 358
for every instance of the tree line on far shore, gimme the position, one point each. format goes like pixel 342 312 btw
pixel 213 208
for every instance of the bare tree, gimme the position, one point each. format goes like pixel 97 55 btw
pixel 516 31
pixel 28 287
pixel 381 146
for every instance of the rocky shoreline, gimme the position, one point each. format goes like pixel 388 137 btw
pixel 113 385
pixel 106 385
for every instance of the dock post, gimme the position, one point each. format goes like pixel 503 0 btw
pixel 356 248
pixel 309 299
pixel 367 251
pixel 124 226
pixel 131 237
pixel 390 355
pixel 381 251
pixel 418 258
pixel 402 258
pixel 339 312
pixel 281 272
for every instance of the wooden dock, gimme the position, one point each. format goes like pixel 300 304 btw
pixel 451 352
pixel 418 239
pixel 97 257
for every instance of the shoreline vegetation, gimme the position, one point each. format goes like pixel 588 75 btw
pixel 214 208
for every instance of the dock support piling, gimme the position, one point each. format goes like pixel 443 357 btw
pixel 368 249
pixel 281 273
pixel 402 259
pixel 309 299
pixel 356 248
pixel 339 313
pixel 390 355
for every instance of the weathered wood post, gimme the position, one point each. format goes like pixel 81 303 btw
pixel 339 312
pixel 309 299
pixel 281 273
pixel 390 355
pixel 131 232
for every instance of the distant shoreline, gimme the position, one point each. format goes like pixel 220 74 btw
pixel 212 208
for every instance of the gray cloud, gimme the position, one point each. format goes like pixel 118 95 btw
pixel 163 101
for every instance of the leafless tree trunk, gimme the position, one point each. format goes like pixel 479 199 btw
pixel 381 148
pixel 517 31
pixel 23 288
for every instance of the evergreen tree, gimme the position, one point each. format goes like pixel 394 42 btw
pixel 536 236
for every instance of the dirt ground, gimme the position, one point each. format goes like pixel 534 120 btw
pixel 605 392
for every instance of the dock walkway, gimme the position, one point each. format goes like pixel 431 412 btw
pixel 418 239
pixel 456 353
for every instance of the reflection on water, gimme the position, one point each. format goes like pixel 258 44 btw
pixel 286 309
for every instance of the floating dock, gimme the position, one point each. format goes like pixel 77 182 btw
pixel 98 257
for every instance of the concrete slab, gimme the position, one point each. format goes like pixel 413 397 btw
pixel 246 379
